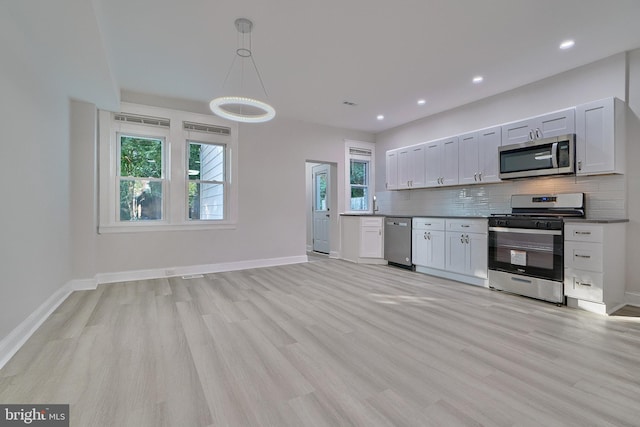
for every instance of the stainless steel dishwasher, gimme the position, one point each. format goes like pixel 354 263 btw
pixel 397 241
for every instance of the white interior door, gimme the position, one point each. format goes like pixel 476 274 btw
pixel 321 208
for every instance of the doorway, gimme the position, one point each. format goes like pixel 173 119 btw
pixel 321 206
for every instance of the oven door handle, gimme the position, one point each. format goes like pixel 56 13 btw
pixel 554 155
pixel 525 231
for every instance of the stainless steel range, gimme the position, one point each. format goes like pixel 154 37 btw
pixel 526 247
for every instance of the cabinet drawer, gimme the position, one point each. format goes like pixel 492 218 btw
pixel 371 222
pixel 467 226
pixel 584 285
pixel 428 224
pixel 583 256
pixel 583 232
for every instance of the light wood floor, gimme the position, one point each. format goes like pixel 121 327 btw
pixel 327 343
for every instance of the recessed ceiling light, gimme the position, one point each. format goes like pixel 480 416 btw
pixel 478 79
pixel 567 44
pixel 422 101
pixel 380 117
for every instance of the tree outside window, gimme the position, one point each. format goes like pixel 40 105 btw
pixel 140 177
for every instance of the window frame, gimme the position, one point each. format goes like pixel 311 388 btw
pixel 224 183
pixel 175 189
pixel 371 160
pixel 119 176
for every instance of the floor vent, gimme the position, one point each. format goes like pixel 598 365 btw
pixel 193 276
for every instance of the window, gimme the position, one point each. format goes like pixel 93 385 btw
pixel 164 169
pixel 359 180
pixel 140 177
pixel 206 178
pixel 359 162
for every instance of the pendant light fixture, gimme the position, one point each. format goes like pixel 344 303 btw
pixel 243 107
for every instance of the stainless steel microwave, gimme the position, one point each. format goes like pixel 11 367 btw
pixel 548 156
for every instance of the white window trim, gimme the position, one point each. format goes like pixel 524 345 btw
pixel 348 145
pixel 175 215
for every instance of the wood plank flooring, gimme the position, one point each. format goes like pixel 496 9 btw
pixel 326 343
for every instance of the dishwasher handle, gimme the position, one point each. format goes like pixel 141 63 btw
pixel 400 224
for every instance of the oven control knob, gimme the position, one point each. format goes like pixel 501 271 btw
pixel 548 224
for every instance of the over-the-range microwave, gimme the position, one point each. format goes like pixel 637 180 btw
pixel 548 156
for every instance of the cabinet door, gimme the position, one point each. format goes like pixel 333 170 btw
pixel 516 132
pixel 436 249
pixel 449 161
pixel 556 124
pixel 477 255
pixel 595 137
pixel 468 158
pixel 371 242
pixel 392 170
pixel 432 163
pixel 419 247
pixel 489 140
pixel 456 252
pixel 403 168
pixel 417 166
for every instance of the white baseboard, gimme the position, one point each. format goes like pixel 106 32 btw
pixel 334 254
pixel 126 276
pixel 10 344
pixel 632 298
pixel 309 248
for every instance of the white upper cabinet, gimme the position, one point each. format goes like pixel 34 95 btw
pixel 417 171
pixel 545 126
pixel 600 137
pixel 441 162
pixel 478 156
pixel 391 182
pixel 403 167
pixel 411 167
pixel 468 154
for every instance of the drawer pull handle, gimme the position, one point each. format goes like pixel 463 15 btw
pixel 583 256
pixel 584 233
pixel 583 284
pixel 465 226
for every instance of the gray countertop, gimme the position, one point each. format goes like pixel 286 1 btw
pixel 566 220
pixel 596 220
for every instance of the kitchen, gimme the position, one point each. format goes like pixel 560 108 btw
pixel 520 258
pixel 69 254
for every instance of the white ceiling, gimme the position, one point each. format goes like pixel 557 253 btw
pixel 313 55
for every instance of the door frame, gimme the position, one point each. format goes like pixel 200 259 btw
pixel 334 237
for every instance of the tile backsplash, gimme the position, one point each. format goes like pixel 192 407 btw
pixel 605 197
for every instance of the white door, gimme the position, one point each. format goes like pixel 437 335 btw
pixel 321 211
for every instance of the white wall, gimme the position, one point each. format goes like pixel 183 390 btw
pixel 616 196
pixel 272 220
pixel 633 179
pixel 35 256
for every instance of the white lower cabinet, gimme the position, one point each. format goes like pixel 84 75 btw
pixel 466 250
pixel 362 239
pixel 594 266
pixel 451 248
pixel 428 242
